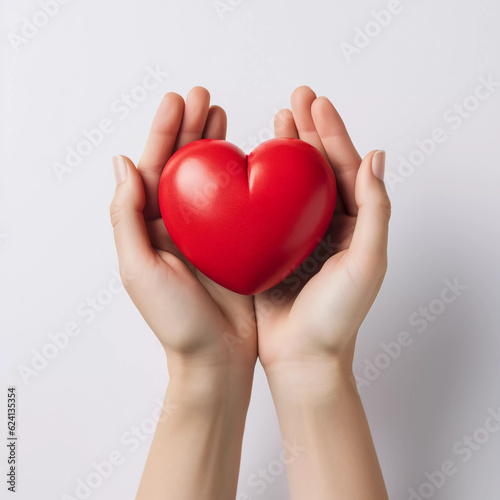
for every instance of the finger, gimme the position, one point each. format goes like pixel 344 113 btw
pixel 129 229
pixel 302 99
pixel 341 152
pixel 159 147
pixel 284 124
pixel 368 250
pixel 195 116
pixel 216 125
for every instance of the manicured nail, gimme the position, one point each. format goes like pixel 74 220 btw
pixel 378 164
pixel 120 169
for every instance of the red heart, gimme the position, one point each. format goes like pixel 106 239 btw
pixel 247 222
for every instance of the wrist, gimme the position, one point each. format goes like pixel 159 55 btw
pixel 310 384
pixel 206 385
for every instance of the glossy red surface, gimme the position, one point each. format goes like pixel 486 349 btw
pixel 247 222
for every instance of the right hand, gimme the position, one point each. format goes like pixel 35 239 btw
pixel 314 314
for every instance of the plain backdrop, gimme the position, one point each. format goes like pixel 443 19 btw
pixel 427 401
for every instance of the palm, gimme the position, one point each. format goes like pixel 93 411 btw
pixel 221 310
pixel 283 321
pixel 310 311
pixel 203 317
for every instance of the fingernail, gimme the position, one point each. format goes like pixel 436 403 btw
pixel 120 169
pixel 378 164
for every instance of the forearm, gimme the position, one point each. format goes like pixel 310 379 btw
pixel 319 406
pixel 196 449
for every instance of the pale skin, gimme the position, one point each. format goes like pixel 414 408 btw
pixel 304 330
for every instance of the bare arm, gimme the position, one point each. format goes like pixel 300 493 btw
pixel 307 326
pixel 197 445
pixel 319 406
pixel 196 448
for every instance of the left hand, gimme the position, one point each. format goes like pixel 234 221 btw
pixel 198 322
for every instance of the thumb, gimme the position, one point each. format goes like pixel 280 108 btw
pixel 131 238
pixel 369 242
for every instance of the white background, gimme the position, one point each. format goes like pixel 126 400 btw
pixel 56 245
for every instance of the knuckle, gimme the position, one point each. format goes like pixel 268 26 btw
pixel 173 263
pixel 369 268
pixel 136 272
pixel 115 212
pixel 128 276
pixel 385 203
pixel 384 209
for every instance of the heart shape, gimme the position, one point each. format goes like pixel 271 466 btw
pixel 247 222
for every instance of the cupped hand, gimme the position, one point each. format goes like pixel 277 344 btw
pixel 195 319
pixel 315 313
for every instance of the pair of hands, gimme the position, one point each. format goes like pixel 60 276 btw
pixel 314 315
